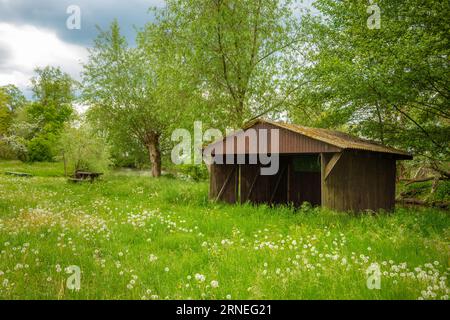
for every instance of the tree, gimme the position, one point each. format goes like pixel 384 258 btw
pixel 11 99
pixel 129 95
pixel 389 84
pixel 15 98
pixel 53 91
pixel 236 54
pixel 11 102
pixel 5 113
pixel 82 149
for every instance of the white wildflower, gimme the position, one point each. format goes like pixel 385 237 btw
pixel 199 277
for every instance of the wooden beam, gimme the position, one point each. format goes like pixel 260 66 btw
pixel 277 185
pixel 323 163
pixel 331 164
pixel 225 183
pixel 253 185
pixel 238 184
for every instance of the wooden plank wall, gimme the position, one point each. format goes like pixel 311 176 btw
pixel 303 186
pixel 263 190
pixel 218 177
pixel 289 142
pixel 359 181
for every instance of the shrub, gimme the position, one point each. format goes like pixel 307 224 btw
pixel 40 148
pixel 82 149
pixel 6 152
pixel 443 191
pixel 195 172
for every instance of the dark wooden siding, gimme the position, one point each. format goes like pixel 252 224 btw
pixel 287 186
pixel 359 181
pixel 289 143
pixel 256 188
pixel 225 176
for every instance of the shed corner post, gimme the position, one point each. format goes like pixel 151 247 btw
pixel 211 182
pixel 288 179
pixel 238 184
pixel 323 164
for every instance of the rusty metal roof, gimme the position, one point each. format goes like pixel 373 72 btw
pixel 336 138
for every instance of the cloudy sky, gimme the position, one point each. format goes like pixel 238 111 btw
pixel 33 33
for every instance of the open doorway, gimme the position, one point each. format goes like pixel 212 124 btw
pixel 298 180
pixel 305 180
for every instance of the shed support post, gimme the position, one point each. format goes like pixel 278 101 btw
pixel 324 195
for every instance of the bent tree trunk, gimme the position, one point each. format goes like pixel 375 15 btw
pixel 154 152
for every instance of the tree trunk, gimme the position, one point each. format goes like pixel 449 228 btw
pixel 154 154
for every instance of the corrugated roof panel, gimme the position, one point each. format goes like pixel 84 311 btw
pixel 333 137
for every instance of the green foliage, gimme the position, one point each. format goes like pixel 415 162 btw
pixel 15 98
pixel 38 125
pixel 124 90
pixel 5 113
pixel 5 118
pixel 11 101
pixel 195 172
pixel 49 118
pixel 31 130
pixel 128 155
pixel 41 148
pixel 81 149
pixel 51 86
pixel 6 152
pixel 423 191
pixel 443 191
pixel 389 84
pixel 235 56
pixel 306 207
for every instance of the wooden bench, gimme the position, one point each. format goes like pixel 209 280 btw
pixel 18 174
pixel 83 176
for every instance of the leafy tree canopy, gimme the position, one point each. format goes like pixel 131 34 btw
pixel 390 84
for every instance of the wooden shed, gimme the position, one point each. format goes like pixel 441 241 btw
pixel 323 167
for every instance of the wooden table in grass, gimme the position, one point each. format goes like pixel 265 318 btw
pixel 81 176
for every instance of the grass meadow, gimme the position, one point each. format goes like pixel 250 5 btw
pixel 135 237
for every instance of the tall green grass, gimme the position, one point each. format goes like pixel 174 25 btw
pixel 135 237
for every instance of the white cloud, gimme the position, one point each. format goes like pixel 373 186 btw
pixel 28 47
